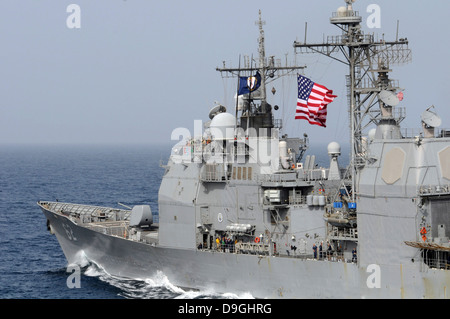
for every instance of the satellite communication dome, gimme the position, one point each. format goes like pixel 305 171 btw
pixel 341 11
pixel 334 149
pixel 222 126
pixel 217 110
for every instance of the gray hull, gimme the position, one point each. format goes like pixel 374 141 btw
pixel 262 276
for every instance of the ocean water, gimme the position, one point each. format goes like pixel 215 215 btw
pixel 32 265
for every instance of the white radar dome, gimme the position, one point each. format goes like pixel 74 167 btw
pixel 334 148
pixel 341 11
pixel 222 126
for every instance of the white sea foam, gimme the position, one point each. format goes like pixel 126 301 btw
pixel 81 259
pixel 158 286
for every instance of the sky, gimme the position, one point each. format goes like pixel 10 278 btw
pixel 135 70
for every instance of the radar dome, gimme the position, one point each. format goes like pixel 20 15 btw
pixel 334 148
pixel 222 126
pixel 217 110
pixel 341 11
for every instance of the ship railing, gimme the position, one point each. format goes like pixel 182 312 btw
pixel 252 248
pixel 415 132
pixel 278 178
pixel 118 229
pixel 399 113
pixel 332 256
pixel 240 248
pixel 337 233
pixel 318 174
pixel 433 190
pixel 445 132
pixel 347 13
pixel 434 255
pixel 365 85
pixel 325 255
pixel 86 213
pixel 297 199
pixel 411 132
pixel 263 249
pixel 438 263
pixel 339 39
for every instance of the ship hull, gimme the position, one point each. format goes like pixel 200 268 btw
pixel 261 276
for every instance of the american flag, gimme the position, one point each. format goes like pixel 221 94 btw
pixel 312 101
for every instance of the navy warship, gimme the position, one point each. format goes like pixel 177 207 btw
pixel 243 210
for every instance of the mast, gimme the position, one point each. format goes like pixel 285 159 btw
pixel 257 112
pixel 262 57
pixel 368 61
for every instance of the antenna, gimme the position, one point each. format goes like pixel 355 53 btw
pixel 349 4
pixel 388 98
pixel 259 116
pixel 430 120
pixel 216 110
pixel 306 30
pixel 368 60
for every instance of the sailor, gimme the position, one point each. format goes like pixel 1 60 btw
pixel 315 251
pixel 329 251
pixel 228 244
pixel 354 255
pixel 231 243
pixel 320 250
pixel 218 243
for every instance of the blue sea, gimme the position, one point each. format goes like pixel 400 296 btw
pixel 32 265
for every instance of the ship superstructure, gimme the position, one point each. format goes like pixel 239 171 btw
pixel 241 208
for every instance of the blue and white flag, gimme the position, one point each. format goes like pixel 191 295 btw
pixel 249 84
